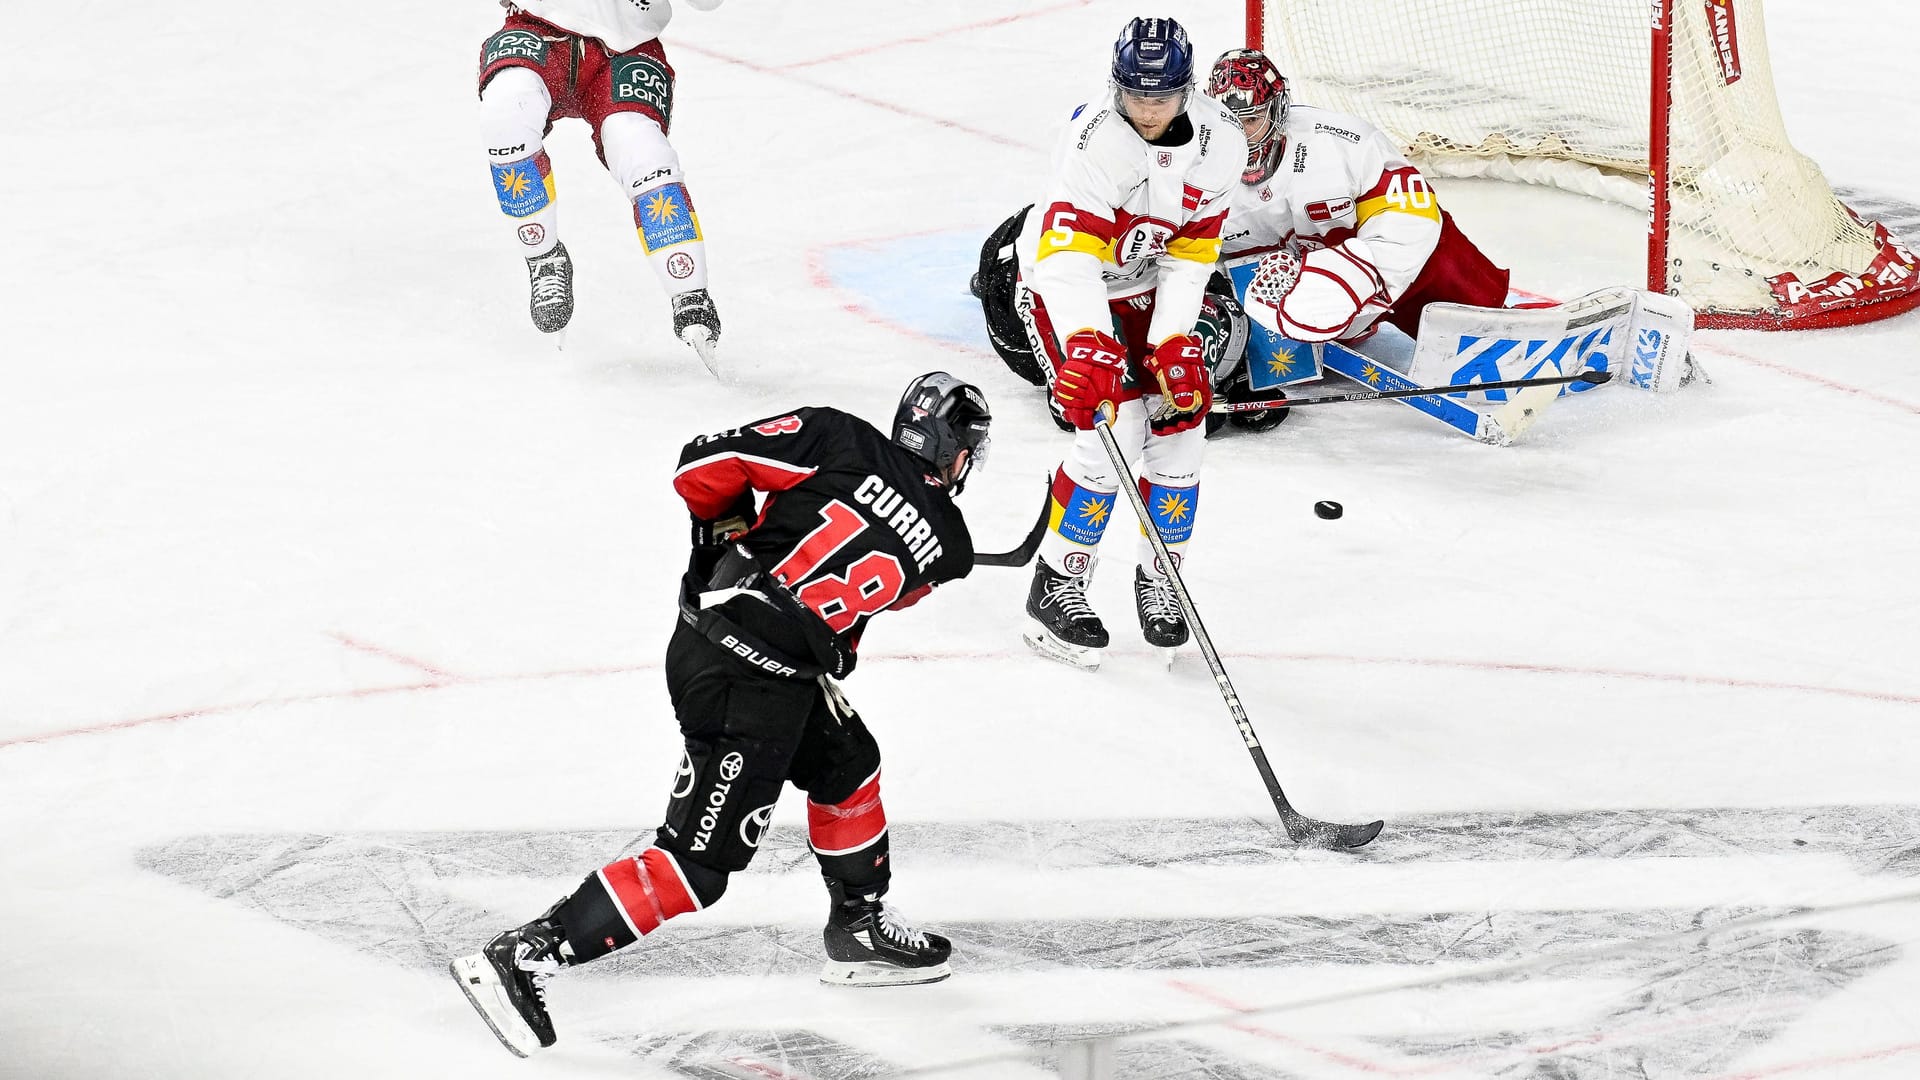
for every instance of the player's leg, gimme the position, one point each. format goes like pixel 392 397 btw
pixel 1170 485
pixel 629 98
pixel 1061 623
pixel 1457 272
pixel 516 110
pixel 867 943
pixel 741 730
pixel 1042 343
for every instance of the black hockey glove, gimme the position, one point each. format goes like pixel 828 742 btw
pixel 711 536
pixel 1239 390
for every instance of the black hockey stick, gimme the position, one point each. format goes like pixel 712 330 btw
pixel 1301 829
pixel 1023 554
pixel 1596 377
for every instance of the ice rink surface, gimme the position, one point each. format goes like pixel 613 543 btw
pixel 332 602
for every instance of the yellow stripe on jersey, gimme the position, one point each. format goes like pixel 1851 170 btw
pixel 1200 249
pixel 1404 191
pixel 1055 241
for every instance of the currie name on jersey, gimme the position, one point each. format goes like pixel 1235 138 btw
pixel 891 509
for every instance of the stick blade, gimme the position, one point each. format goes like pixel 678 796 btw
pixel 1326 834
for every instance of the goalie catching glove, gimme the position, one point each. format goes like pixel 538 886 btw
pixel 1316 296
pixel 1088 377
pixel 1185 383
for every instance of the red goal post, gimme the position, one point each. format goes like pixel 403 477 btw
pixel 1665 105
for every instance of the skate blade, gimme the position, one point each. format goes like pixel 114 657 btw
pixel 1075 656
pixel 875 973
pixel 482 986
pixel 1167 653
pixel 704 345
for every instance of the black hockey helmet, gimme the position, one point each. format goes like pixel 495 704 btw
pixel 938 417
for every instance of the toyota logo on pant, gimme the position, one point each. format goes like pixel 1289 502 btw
pixel 683 779
pixel 754 825
pixel 731 765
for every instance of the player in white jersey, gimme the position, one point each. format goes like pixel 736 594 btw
pixel 1347 230
pixel 599 61
pixel 1113 262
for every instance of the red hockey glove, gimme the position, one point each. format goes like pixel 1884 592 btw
pixel 1089 377
pixel 1182 373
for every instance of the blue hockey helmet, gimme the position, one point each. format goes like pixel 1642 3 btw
pixel 1152 58
pixel 939 416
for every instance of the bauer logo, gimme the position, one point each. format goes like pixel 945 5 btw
pixel 664 217
pixel 645 81
pixel 513 45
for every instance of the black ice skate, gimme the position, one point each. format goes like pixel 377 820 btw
pixel 869 945
pixel 1162 622
pixel 1061 624
pixel 506 982
pixel 696 322
pixel 550 278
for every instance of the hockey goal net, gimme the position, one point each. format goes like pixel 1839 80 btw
pixel 1666 105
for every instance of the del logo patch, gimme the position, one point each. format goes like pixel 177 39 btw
pixel 646 81
pixel 664 217
pixel 1327 211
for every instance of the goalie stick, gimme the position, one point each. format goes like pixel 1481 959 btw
pixel 1596 377
pixel 1301 829
pixel 1023 554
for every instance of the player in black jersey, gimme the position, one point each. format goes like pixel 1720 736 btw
pixel 771 612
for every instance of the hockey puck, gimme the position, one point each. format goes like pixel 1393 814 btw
pixel 1327 509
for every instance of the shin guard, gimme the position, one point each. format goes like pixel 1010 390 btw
pixel 630 897
pixel 850 839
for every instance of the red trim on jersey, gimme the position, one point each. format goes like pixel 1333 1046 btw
pixel 847 826
pixel 1082 220
pixel 1206 228
pixel 649 889
pixel 1379 188
pixel 711 484
pixel 910 599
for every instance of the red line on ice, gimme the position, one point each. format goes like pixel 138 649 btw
pixel 878 103
pixel 1825 1062
pixel 1818 380
pixel 1887 696
pixel 1806 376
pixel 934 36
pixel 398 658
pixel 818 277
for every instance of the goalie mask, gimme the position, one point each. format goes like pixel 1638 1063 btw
pixel 938 417
pixel 1248 84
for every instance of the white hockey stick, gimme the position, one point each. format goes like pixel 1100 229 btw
pixel 1301 829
